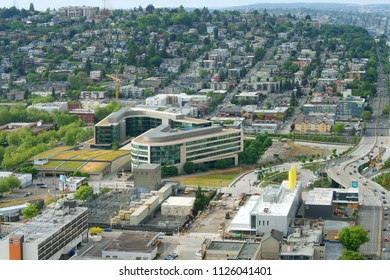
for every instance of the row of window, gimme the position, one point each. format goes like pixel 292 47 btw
pixel 197 147
pixel 214 148
pixel 237 149
pixel 213 139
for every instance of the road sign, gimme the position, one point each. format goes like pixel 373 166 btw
pixel 355 184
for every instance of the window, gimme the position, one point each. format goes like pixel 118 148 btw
pixel 138 258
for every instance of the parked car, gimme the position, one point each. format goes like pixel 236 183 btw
pixel 173 255
pixel 168 258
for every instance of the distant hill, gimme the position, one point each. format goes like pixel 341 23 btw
pixel 315 6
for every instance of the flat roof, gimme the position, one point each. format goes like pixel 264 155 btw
pixel 179 201
pixel 249 250
pixel 47 224
pixel 226 246
pixel 319 196
pixel 274 201
pixel 132 242
pixel 147 166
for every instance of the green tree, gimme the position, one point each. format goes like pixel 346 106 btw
pixel 353 237
pixel 189 167
pixel 200 200
pixel 83 192
pixel 30 211
pixel 366 115
pixel 351 255
pixel 75 82
pixel 9 183
pixel 338 128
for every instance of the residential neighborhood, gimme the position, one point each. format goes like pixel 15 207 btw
pixel 155 133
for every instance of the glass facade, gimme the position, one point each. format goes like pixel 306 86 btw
pixel 137 125
pixel 165 154
pixel 106 134
pixel 187 125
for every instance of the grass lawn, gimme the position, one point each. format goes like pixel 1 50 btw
pixel 52 152
pixel 71 165
pixel 49 165
pixel 111 156
pixel 89 155
pixel 214 178
pixel 314 166
pixel 93 167
pixel 69 154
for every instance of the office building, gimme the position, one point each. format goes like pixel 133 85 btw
pixel 165 145
pixel 46 237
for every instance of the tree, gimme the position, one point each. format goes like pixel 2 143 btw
pixel 83 192
pixel 351 255
pixel 366 115
pixel 200 200
pixel 338 128
pixel 189 167
pixel 75 82
pixel 9 183
pixel 352 237
pixel 30 211
pixel 31 9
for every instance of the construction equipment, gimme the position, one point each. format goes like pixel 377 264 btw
pixel 378 157
pixel 117 80
pixel 372 163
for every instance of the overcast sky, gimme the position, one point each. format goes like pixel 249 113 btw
pixel 126 4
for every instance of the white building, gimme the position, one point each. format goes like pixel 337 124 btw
pixel 77 11
pixel 177 206
pixel 178 100
pixel 48 236
pixel 95 74
pixel 50 107
pixel 275 208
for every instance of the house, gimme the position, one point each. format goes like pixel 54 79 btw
pixel 271 245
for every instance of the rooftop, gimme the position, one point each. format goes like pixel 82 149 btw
pixel 47 224
pixel 133 242
pixel 179 201
pixel 319 196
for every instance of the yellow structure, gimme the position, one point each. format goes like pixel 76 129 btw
pixel 292 177
pixel 313 124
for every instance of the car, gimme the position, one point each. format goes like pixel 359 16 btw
pixel 384 202
pixel 27 194
pixel 385 208
pixel 42 185
pixel 169 258
pixel 199 253
pixel 385 239
pixel 374 190
pixel 382 192
pixel 366 230
pixel 107 229
pixel 384 229
pixel 383 197
pixel 173 255
pixel 224 204
pixel 350 173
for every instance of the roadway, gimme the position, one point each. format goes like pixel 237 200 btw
pixel 372 196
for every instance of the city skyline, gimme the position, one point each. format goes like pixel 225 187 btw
pixel 43 5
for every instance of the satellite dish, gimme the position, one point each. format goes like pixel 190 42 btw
pixel 39 124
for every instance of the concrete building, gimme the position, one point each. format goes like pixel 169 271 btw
pixel 133 246
pixel 320 108
pixel 332 203
pixel 147 176
pixel 248 97
pixel 48 236
pixel 93 95
pixel 177 206
pixel 70 184
pixel 128 123
pixel 350 107
pixel 50 107
pixel 271 245
pixel 25 179
pixel 95 74
pixel 275 208
pixel 230 250
pixel 304 244
pixel 176 100
pixel 77 11
pixel 173 147
pixel 259 126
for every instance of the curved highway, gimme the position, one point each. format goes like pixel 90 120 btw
pixel 373 198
